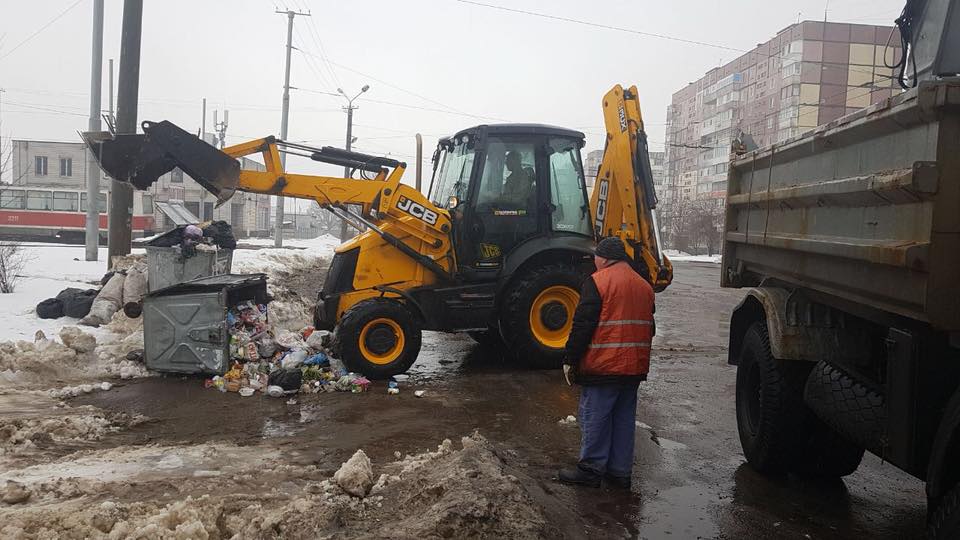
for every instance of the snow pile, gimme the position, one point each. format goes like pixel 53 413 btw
pixel 20 436
pixel 447 493
pixel 675 255
pixel 285 269
pixel 325 243
pixel 356 475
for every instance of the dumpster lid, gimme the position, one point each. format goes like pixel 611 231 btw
pixel 212 283
pixel 177 213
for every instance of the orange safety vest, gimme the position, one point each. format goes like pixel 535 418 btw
pixel 621 342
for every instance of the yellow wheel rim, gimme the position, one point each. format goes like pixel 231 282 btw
pixel 382 341
pixel 551 315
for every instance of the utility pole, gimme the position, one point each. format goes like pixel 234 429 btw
pixel 113 119
pixel 419 161
pixel 347 173
pixel 221 127
pixel 3 162
pixel 284 118
pixel 93 169
pixel 121 193
pixel 203 121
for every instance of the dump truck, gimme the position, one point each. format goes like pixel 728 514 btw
pixel 848 337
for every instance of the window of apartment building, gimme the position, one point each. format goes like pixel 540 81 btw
pixel 146 200
pixel 791 69
pixel 66 201
pixel 101 202
pixel 176 175
pixel 790 91
pixel 66 166
pixel 40 165
pixel 13 199
pixel 39 200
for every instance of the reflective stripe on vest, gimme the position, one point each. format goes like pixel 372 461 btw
pixel 620 345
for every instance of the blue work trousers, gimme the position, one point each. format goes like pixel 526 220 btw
pixel 607 425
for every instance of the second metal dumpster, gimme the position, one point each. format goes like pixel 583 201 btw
pixel 184 325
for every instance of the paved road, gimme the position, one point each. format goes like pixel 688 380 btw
pixel 691 478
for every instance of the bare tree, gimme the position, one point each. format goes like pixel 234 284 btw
pixel 12 260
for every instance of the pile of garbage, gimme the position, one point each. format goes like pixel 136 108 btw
pixel 122 288
pixel 281 363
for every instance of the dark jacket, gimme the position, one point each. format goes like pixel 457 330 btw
pixel 585 321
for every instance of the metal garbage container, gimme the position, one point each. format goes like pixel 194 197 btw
pixel 166 266
pixel 184 325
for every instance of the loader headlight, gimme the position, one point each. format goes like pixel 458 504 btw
pixel 452 202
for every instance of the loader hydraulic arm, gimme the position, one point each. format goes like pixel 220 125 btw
pixel 413 220
pixel 623 203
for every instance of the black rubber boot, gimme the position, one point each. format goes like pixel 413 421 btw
pixel 578 476
pixel 618 482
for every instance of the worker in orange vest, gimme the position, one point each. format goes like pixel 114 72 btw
pixel 608 354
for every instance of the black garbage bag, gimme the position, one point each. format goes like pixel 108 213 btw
pixel 51 308
pixel 288 379
pixel 221 233
pixel 77 302
pixel 168 239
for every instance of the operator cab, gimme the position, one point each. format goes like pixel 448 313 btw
pixel 506 184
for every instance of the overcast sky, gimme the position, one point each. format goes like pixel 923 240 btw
pixel 433 66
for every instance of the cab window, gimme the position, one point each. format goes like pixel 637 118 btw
pixel 568 194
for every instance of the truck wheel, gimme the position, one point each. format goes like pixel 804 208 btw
pixel 825 453
pixel 537 314
pixel 378 337
pixel 769 403
pixel 846 405
pixel 945 522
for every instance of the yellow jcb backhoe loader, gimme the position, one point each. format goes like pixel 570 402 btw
pixel 498 247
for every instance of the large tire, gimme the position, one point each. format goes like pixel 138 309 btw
pixel 825 453
pixel 847 406
pixel 378 337
pixel 778 432
pixel 537 313
pixel 769 403
pixel 945 521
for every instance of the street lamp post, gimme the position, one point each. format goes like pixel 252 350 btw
pixel 347 173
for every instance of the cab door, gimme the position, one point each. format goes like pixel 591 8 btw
pixel 504 208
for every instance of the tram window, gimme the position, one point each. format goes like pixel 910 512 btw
pixel 39 200
pixel 13 199
pixel 102 197
pixel 66 200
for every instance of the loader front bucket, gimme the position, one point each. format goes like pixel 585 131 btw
pixel 142 159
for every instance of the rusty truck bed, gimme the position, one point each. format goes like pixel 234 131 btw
pixel 864 210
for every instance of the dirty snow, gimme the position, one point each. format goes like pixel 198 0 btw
pixel 675 255
pixel 452 492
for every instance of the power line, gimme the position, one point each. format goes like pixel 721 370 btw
pixel 41 29
pixel 601 25
pixel 623 29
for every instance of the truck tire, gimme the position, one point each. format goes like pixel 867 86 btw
pixel 378 337
pixel 770 406
pixel 825 453
pixel 850 408
pixel 537 314
pixel 945 522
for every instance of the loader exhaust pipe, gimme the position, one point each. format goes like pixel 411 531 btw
pixel 141 160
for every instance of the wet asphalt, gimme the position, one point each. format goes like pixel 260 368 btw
pixel 690 477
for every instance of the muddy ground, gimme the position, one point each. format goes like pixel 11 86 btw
pixel 171 439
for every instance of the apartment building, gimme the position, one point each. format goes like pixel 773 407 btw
pixel 809 74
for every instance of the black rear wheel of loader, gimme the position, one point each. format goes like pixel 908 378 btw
pixel 378 337
pixel 770 405
pixel 537 314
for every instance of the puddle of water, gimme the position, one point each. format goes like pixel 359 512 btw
pixel 680 512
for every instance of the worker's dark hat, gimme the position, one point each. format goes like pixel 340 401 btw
pixel 611 248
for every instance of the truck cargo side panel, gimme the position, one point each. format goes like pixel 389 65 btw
pixel 865 208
